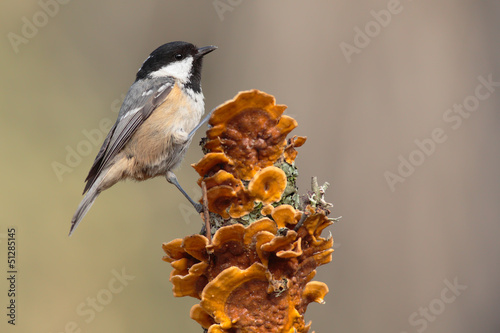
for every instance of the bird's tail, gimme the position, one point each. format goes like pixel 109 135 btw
pixel 86 203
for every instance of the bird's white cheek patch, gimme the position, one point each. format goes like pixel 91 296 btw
pixel 179 70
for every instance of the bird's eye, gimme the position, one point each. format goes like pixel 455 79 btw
pixel 178 56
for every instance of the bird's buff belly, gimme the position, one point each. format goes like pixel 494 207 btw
pixel 160 143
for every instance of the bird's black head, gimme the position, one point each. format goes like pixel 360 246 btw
pixel 179 60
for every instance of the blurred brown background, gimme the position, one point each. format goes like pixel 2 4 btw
pixel 400 248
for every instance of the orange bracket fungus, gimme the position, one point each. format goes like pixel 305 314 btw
pixel 255 274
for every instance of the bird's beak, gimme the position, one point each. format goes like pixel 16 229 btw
pixel 205 50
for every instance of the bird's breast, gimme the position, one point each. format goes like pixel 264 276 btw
pixel 159 143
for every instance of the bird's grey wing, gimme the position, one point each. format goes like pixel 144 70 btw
pixel 136 108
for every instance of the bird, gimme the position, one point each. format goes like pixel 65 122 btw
pixel 157 120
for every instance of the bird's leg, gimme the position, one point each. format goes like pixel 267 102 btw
pixel 204 120
pixel 172 179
